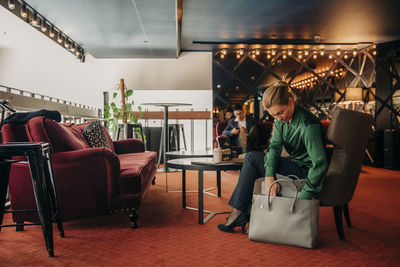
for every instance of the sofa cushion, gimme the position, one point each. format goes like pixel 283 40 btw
pixel 61 138
pixel 137 171
pixel 95 135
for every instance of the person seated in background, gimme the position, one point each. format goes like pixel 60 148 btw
pixel 301 133
pixel 238 125
pixel 229 114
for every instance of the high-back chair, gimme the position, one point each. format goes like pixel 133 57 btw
pixel 348 132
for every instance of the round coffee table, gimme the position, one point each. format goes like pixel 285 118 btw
pixel 189 154
pixel 201 165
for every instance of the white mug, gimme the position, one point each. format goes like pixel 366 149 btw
pixel 217 155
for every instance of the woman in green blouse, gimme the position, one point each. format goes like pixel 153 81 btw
pixel 300 132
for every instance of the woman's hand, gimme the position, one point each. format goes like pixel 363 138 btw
pixel 276 188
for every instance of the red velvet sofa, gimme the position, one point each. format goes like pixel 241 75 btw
pixel 89 181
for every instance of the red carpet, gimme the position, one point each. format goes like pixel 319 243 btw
pixel 170 236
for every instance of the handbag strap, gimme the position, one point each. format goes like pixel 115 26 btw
pixel 277 181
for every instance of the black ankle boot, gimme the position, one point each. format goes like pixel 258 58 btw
pixel 240 220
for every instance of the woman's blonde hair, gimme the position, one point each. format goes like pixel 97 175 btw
pixel 277 94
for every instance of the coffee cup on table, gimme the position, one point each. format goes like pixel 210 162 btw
pixel 217 155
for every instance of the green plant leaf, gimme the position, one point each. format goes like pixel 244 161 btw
pixel 113 105
pixel 107 111
pixel 128 107
pixel 128 93
pixel 115 95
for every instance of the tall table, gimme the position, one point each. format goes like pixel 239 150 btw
pixel 38 156
pixel 165 141
pixel 190 164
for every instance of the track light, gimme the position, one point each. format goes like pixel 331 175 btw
pixel 35 19
pixel 59 38
pixel 51 33
pixel 24 11
pixel 44 25
pixel 11 4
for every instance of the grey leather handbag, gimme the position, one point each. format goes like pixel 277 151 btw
pixel 284 220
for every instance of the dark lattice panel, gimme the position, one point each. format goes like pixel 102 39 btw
pixel 235 80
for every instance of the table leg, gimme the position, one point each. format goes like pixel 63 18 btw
pixel 53 194
pixel 219 183
pixel 4 178
pixel 42 198
pixel 184 188
pixel 200 189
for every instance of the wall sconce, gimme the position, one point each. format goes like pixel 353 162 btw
pixel 28 14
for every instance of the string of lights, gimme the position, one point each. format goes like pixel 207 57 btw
pixel 31 16
pixel 291 52
pixel 311 82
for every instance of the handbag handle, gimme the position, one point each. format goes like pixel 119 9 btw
pixel 269 193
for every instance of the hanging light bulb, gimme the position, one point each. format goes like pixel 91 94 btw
pixel 268 56
pixel 290 52
pixel 241 51
pixel 284 56
pixel 51 33
pixel 73 47
pixel 24 11
pixel 355 52
pixel 338 52
pixel 224 52
pixel 222 55
pixel 59 38
pixel 253 55
pixel 257 52
pixel 273 52
pixel 315 55
pixel 306 52
pixel 345 56
pixel 11 4
pixel 322 52
pixel 44 25
pixel 374 52
pixel 300 56
pixel 66 44
pixel 330 56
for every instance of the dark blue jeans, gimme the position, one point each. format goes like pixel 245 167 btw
pixel 253 168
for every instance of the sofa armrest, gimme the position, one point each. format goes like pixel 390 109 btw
pixel 94 167
pixel 128 146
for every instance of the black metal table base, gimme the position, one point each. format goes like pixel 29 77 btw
pixel 38 155
pixel 211 213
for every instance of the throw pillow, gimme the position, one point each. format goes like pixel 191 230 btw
pixel 95 135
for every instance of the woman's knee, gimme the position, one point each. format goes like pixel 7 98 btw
pixel 254 156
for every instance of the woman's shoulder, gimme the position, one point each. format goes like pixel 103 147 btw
pixel 307 117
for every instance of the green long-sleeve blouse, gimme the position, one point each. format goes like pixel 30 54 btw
pixel 303 140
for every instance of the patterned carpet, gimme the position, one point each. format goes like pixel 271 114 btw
pixel 170 236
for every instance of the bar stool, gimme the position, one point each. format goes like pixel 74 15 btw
pixel 38 155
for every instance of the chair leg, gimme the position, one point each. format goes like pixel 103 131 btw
pixel 20 226
pixel 347 215
pixel 337 211
pixel 153 182
pixel 133 217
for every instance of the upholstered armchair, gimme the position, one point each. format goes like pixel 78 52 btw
pixel 348 132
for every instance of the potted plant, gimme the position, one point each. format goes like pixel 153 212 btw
pixel 115 113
